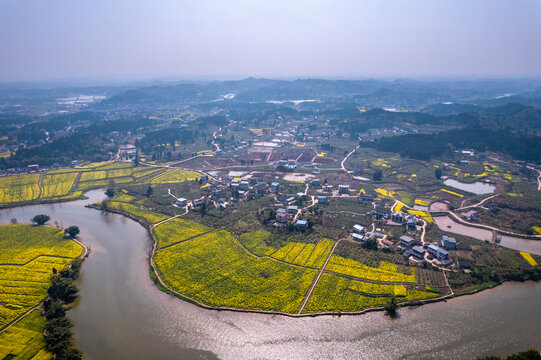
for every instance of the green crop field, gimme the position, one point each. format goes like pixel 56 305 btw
pixel 215 270
pixel 25 340
pixel 147 216
pixel 28 255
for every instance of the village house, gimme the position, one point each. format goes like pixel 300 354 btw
pixel 281 217
pixel 438 253
pixel 301 224
pixel 469 216
pixel 398 217
pixel 181 202
pixel 407 241
pixel 418 252
pixel 327 188
pixel 292 209
pixel 358 229
pixel 380 212
pixel 365 197
pixel 357 237
pixel 448 243
pixel 127 152
pixel 244 185
pixel 343 189
pixel 322 199
pixel 387 243
pixel 411 222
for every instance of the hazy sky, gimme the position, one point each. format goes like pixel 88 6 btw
pixel 52 39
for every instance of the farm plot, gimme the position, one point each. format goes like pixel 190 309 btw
pixel 25 339
pixel 57 184
pixel 108 165
pixel 175 175
pixel 28 255
pixel 254 239
pixel 177 230
pixel 147 216
pixel 302 254
pixel 19 188
pixel 387 272
pixel 93 175
pixel 215 270
pixel 336 293
pixel 103 183
pixel 117 173
pixel 139 172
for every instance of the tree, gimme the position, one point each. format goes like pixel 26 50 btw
pixel 53 309
pixel 203 209
pixel 149 191
pixel 378 175
pixel 391 308
pixel 438 173
pixel 370 244
pixel 41 219
pixel 62 288
pixel 72 231
pixel 136 159
pixel 110 192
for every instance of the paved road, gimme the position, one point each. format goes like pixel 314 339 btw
pixel 345 158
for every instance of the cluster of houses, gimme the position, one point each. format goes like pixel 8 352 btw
pixel 401 218
pixel 33 168
pixel 283 214
pixel 414 251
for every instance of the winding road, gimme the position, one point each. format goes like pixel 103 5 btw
pixel 345 158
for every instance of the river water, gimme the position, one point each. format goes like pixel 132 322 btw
pixel 121 315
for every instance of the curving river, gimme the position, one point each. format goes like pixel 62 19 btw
pixel 121 315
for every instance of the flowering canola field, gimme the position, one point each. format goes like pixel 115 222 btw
pixel 215 270
pixel 175 175
pixel 57 184
pixel 25 339
pixel 19 188
pixel 27 256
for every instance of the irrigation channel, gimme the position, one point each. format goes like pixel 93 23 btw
pixel 120 314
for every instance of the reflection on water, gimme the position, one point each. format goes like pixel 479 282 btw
pixel 445 223
pixel 121 314
pixel 477 187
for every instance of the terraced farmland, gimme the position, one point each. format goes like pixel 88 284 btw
pixel 175 175
pixel 19 188
pixel 177 230
pixel 215 270
pixel 28 255
pixel 25 340
pixel 146 216
pixel 309 255
pixel 336 293
pixel 57 184
pixel 387 272
pixel 93 175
